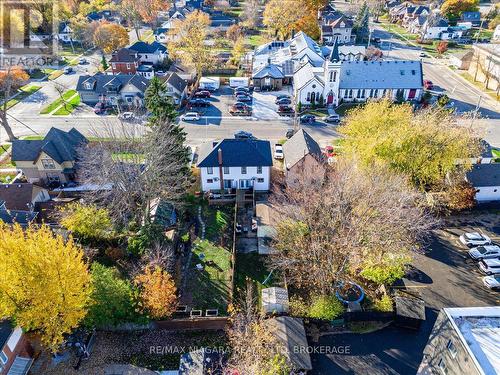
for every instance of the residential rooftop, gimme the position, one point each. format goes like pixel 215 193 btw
pixel 479 330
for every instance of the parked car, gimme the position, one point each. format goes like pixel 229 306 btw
pixel 127 116
pixel 198 103
pixel 282 96
pixel 278 151
pixel 82 61
pixel 474 239
pixel 243 135
pixel 422 54
pixel 492 282
pixel 289 133
pixel 68 70
pixel 485 252
pixel 283 101
pixel 330 151
pixel 375 40
pixel 242 89
pixel 244 98
pixel 428 85
pixel 490 266
pixel 307 119
pixel 202 94
pixel 240 108
pixel 332 119
pixel 190 116
pixel 285 110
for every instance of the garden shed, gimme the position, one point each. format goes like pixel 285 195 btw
pixel 275 300
pixel 410 312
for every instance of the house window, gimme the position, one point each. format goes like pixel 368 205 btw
pixel 243 170
pixel 362 94
pixel 53 178
pixel 331 77
pixel 113 65
pixel 226 170
pixel 402 72
pixel 452 349
pixel 308 97
pixel 128 66
pixel 88 86
pixel 210 170
pixel 375 93
pixel 210 181
pixel 442 366
pixel 358 94
pixel 259 170
pixel 3 358
pixel 48 164
pixel 335 76
pixel 260 180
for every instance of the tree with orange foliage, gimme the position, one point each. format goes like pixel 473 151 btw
pixel 157 292
pixel 309 25
pixel 110 36
pixel 149 9
pixel 442 47
pixel 11 79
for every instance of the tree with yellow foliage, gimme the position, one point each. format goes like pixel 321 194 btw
pixel 87 222
pixel 45 285
pixel 110 36
pixel 280 16
pixel 187 41
pixel 453 9
pixel 157 292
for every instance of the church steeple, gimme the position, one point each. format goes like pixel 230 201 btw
pixel 334 55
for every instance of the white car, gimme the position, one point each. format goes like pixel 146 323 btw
pixel 127 116
pixel 278 151
pixel 475 239
pixel 490 266
pixel 422 54
pixel 190 116
pixel 492 282
pixel 485 252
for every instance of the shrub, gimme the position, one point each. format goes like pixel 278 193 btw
pixel 143 241
pixel 88 223
pixel 325 307
pixel 298 307
pixel 383 304
pixel 385 273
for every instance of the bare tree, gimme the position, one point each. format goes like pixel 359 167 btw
pixel 331 229
pixel 131 170
pixel 251 13
pixel 11 79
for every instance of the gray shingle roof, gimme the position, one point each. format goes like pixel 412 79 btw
pixel 58 144
pixel 101 81
pixel 381 75
pixel 300 145
pixel 143 47
pixel 270 70
pixel 124 55
pixel 173 79
pixel 5 331
pixel 483 175
pixel 237 153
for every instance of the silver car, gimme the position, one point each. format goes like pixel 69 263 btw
pixel 485 252
pixel 475 239
pixel 490 266
pixel 492 282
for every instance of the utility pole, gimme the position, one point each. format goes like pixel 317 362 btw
pixel 475 111
pixel 478 54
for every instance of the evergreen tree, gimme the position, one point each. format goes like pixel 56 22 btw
pixel 104 63
pixel 158 103
pixel 361 23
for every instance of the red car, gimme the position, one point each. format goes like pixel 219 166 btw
pixel 428 85
pixel 329 151
pixel 202 94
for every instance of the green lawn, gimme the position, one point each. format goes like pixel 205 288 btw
pixel 54 75
pixel 33 137
pixel 4 149
pixel 25 92
pixel 345 107
pixel 399 32
pixel 251 267
pixel 210 287
pixel 73 103
pixel 480 85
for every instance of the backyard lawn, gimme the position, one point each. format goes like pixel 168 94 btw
pixel 71 97
pixel 210 286
pixel 252 267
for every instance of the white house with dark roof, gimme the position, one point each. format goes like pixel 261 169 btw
pixel 486 180
pixel 335 81
pixel 175 87
pixel 235 164
pixel 150 53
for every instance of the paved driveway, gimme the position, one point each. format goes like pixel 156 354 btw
pixel 445 277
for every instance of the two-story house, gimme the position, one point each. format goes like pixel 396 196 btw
pixel 51 160
pixel 124 61
pixel 175 87
pixel 16 353
pixel 150 53
pixel 338 29
pixel 161 34
pixel 235 164
pixel 121 89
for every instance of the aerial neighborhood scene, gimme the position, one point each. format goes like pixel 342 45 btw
pixel 249 187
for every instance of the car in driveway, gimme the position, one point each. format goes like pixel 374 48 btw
pixel 82 61
pixel 492 281
pixel 278 151
pixel 289 133
pixel 490 266
pixel 243 135
pixel 428 85
pixel 240 109
pixel 422 54
pixel 485 252
pixel 127 116
pixel 69 70
pixel 332 119
pixel 307 119
pixel 190 116
pixel 283 101
pixel 474 239
pixel 282 96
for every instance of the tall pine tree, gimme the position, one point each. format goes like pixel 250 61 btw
pixel 159 104
pixel 361 23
